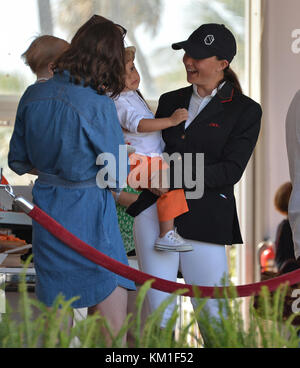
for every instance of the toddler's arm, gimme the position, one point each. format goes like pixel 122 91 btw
pixel 153 125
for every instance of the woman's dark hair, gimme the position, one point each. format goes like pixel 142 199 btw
pixel 96 19
pixel 282 197
pixel 95 58
pixel 230 76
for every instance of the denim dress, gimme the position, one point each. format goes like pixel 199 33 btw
pixel 60 130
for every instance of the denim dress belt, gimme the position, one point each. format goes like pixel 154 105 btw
pixel 55 180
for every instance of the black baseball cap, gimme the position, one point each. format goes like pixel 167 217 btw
pixel 209 40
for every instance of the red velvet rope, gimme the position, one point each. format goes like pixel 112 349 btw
pixel 139 277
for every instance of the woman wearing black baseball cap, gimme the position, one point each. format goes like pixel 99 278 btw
pixel 213 46
pixel 223 124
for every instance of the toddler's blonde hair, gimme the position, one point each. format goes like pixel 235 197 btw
pixel 129 54
pixel 42 51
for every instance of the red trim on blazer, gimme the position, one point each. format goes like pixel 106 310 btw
pixel 214 125
pixel 230 98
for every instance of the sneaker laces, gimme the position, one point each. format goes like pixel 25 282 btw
pixel 175 237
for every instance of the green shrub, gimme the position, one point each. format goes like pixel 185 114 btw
pixel 266 327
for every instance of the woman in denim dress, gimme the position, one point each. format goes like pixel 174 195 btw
pixel 62 125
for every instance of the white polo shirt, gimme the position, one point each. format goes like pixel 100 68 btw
pixel 131 109
pixel 198 103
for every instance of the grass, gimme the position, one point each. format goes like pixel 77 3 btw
pixel 266 326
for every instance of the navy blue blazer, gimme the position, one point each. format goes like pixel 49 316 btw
pixel 226 131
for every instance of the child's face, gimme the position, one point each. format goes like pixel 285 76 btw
pixel 132 77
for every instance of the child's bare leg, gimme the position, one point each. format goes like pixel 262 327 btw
pixel 166 226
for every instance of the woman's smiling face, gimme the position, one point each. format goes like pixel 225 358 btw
pixel 203 72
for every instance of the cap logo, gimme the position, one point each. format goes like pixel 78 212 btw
pixel 209 40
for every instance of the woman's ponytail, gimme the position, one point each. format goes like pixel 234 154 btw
pixel 230 76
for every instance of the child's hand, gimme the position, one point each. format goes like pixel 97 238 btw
pixel 179 116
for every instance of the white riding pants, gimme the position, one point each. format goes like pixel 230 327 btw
pixel 206 265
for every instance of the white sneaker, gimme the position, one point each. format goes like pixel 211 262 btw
pixel 172 242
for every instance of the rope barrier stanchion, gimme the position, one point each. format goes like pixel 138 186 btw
pixel 137 276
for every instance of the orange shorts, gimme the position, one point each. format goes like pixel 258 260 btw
pixel 143 171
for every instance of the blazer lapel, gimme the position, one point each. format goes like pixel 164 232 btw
pixel 184 103
pixel 186 98
pixel 215 106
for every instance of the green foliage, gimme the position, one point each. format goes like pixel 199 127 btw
pixel 152 335
pixel 266 328
pixel 51 329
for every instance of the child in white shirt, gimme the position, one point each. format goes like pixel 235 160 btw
pixel 143 132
